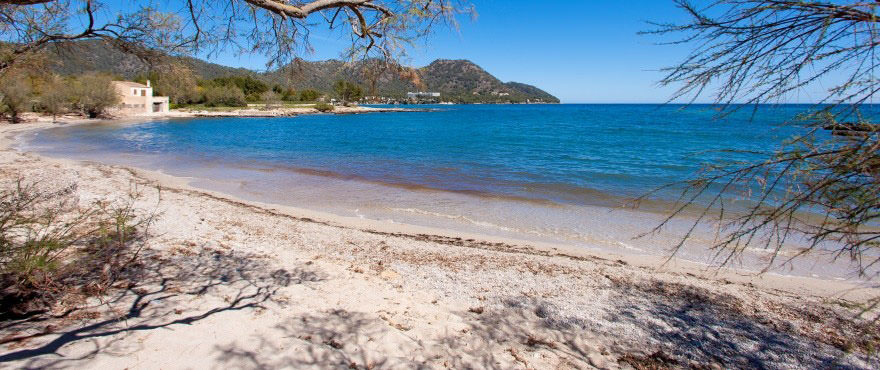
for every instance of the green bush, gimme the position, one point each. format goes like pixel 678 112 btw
pixel 174 80
pixel 93 94
pixel 309 95
pixel 251 87
pixel 224 96
pixel 347 91
pixel 55 98
pixel 271 99
pixel 324 107
pixel 15 95
pixel 289 94
pixel 51 245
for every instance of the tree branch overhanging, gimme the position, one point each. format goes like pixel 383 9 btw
pixel 279 29
pixel 817 187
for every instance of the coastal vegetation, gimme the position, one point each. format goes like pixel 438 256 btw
pixel 92 94
pixel 16 95
pixel 224 96
pixel 324 107
pixel 347 91
pixel 309 95
pixel 54 100
pixel 51 246
pixel 34 90
pixel 250 87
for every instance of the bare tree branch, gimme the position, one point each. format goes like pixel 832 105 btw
pixel 822 186
pixel 276 28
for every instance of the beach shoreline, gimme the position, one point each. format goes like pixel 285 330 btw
pixel 284 111
pixel 241 112
pixel 677 265
pixel 391 266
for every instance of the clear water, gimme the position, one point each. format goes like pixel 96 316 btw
pixel 551 173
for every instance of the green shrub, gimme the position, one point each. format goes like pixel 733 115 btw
pixel 289 94
pixel 347 91
pixel 55 98
pixel 250 86
pixel 15 95
pixel 51 245
pixel 324 107
pixel 174 80
pixel 93 94
pixel 309 95
pixel 271 99
pixel 224 96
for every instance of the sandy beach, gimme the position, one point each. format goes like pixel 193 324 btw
pixel 234 284
pixel 252 111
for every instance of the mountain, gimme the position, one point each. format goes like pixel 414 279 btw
pixel 463 80
pixel 74 58
pixel 456 80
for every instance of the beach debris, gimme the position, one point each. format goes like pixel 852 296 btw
pixel 333 343
pixel 389 274
pixel 518 357
pixel 656 360
pixel 395 324
pixel 533 341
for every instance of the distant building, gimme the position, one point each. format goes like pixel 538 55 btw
pixel 138 98
pixel 422 95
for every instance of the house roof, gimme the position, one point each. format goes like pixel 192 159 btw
pixel 130 84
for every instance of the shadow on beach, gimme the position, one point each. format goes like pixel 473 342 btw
pixel 650 325
pixel 155 295
pixel 653 327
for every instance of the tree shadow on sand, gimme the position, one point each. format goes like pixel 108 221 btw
pixel 650 325
pixel 150 298
pixel 648 328
pixel 332 339
pixel 651 328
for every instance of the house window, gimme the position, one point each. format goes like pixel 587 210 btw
pixel 134 92
pixel 144 92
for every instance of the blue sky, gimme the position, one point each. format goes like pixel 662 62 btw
pixel 580 51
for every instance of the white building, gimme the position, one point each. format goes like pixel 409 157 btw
pixel 138 98
pixel 422 95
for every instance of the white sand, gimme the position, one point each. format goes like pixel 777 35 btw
pixel 233 284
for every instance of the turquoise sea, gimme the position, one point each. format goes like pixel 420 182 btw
pixel 550 173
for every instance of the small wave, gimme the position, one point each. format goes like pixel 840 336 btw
pixel 771 251
pixel 627 246
pixel 545 233
pixel 464 218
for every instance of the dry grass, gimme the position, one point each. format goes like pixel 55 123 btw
pixel 51 246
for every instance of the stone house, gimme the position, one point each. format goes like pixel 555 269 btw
pixel 138 98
